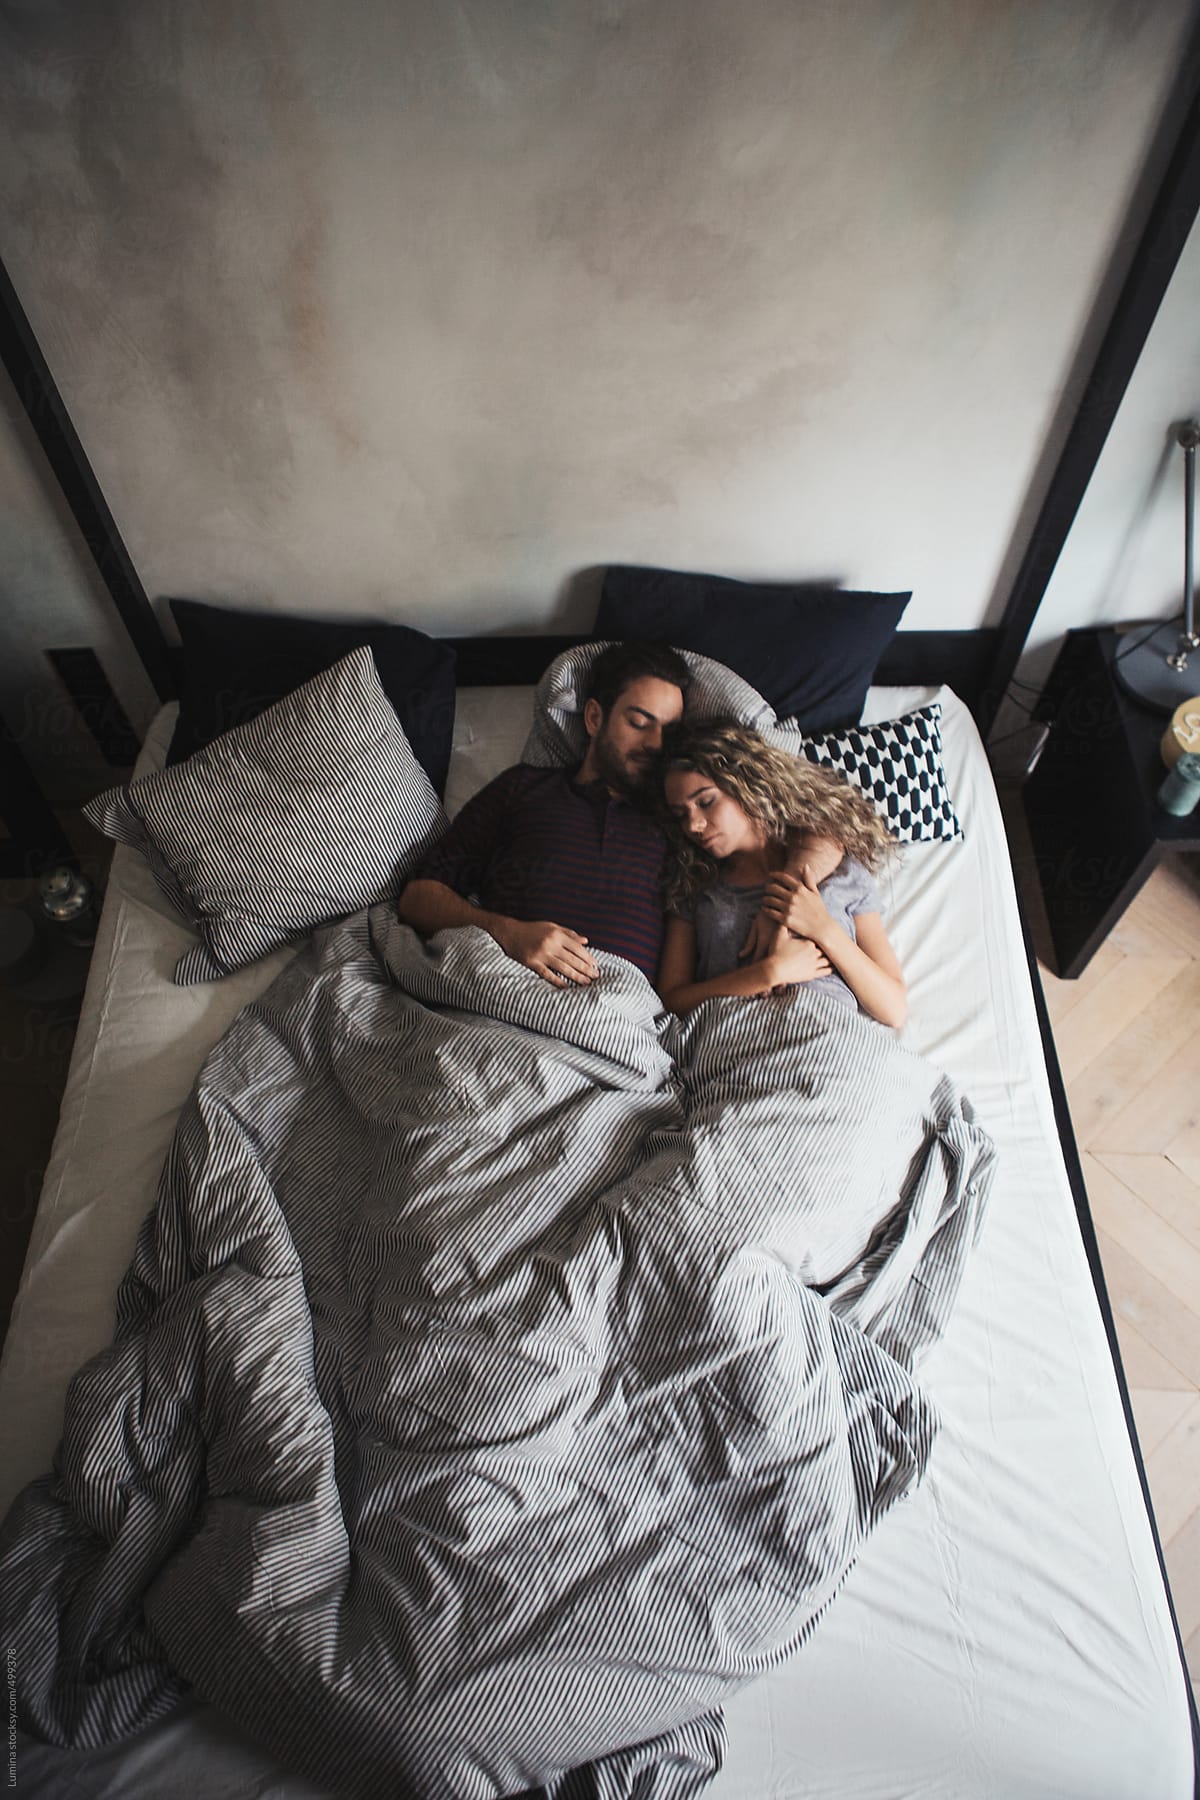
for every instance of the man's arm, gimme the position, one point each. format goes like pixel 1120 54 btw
pixel 429 906
pixel 556 954
pixel 817 855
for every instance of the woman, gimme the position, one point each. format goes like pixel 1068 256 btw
pixel 736 807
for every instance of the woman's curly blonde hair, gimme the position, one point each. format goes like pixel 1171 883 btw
pixel 785 794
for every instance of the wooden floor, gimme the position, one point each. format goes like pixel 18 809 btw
pixel 1128 1038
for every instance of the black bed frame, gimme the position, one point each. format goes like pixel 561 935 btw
pixel 963 660
pixel 978 664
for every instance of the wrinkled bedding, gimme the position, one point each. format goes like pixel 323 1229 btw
pixel 504 1376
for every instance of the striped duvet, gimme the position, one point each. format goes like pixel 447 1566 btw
pixel 504 1376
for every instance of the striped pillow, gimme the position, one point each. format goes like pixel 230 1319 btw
pixel 312 810
pixel 558 738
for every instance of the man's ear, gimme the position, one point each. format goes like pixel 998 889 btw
pixel 593 717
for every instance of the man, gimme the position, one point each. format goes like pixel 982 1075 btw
pixel 564 864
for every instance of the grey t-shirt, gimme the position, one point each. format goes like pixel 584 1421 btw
pixel 722 915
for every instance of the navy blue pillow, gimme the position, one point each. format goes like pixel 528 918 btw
pixel 235 664
pixel 809 650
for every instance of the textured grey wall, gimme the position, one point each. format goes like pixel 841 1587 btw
pixel 1124 557
pixel 51 596
pixel 421 309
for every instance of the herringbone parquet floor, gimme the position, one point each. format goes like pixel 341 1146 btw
pixel 1127 1034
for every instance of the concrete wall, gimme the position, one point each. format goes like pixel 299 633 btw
pixel 52 597
pixel 422 309
pixel 1123 560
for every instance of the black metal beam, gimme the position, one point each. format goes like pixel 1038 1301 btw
pixel 961 659
pixel 39 395
pixel 1172 215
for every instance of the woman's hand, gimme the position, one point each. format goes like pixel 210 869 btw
pixel 795 903
pixel 808 854
pixel 799 960
pixel 763 938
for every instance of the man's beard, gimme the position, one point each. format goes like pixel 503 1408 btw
pixel 614 771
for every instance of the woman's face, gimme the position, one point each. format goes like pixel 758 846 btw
pixel 709 816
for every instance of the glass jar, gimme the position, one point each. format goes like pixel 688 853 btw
pixel 68 899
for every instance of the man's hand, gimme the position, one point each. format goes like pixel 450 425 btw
pixel 551 951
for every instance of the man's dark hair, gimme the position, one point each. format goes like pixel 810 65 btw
pixel 621 664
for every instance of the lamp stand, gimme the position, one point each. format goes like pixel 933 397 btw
pixel 1163 669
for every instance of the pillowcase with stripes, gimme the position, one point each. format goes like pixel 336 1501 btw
pixel 558 738
pixel 314 809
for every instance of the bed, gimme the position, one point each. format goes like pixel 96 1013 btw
pixel 1003 1631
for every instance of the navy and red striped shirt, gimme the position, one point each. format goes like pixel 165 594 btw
pixel 534 844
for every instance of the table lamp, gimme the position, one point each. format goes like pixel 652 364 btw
pixel 1163 668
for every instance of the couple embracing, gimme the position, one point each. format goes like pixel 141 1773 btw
pixel 714 862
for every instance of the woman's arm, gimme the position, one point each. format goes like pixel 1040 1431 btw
pixel 866 962
pixel 871 969
pixel 679 991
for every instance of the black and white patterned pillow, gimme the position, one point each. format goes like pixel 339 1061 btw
pixel 898 765
pixel 310 811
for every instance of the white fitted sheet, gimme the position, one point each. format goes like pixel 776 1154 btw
pixel 1005 1633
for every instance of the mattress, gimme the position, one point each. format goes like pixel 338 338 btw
pixel 1006 1631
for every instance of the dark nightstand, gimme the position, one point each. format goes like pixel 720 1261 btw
pixel 43 970
pixel 1096 827
pixel 42 978
pixel 32 838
